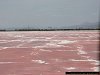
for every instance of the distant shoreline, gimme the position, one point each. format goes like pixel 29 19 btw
pixel 48 30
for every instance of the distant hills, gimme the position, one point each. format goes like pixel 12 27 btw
pixel 67 27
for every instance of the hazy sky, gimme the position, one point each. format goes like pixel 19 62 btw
pixel 48 12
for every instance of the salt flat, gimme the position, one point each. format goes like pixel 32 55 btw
pixel 48 52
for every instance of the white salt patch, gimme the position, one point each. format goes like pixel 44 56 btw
pixel 92 40
pixel 58 71
pixel 2 48
pixel 27 37
pixel 66 50
pixel 45 50
pixel 5 47
pixel 48 38
pixel 80 51
pixel 6 41
pixel 36 40
pixel 39 46
pixel 46 63
pixel 58 60
pixel 39 61
pixel 34 53
pixel 66 42
pixel 40 37
pixel 86 56
pixel 53 45
pixel 31 40
pixel 70 68
pixel 19 45
pixel 96 63
pixel 14 40
pixel 7 62
pixel 84 60
pixel 95 69
pixel 19 36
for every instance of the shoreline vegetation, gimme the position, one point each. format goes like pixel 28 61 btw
pixel 46 29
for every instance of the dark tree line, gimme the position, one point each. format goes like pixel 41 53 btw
pixel 49 29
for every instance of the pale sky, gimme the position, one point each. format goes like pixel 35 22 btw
pixel 48 12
